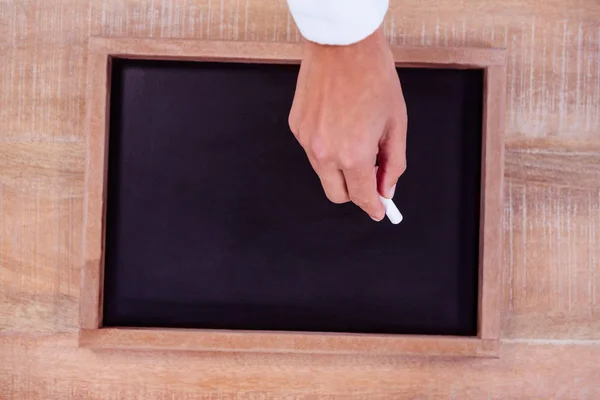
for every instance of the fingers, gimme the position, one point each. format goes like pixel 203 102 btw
pixel 352 177
pixel 332 180
pixel 334 185
pixel 348 176
pixel 362 190
pixel 392 159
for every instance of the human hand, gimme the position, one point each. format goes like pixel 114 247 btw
pixel 349 113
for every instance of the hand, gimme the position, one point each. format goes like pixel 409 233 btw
pixel 348 113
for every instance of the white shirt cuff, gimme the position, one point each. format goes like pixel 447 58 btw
pixel 338 22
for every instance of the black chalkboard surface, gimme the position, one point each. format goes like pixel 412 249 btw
pixel 216 220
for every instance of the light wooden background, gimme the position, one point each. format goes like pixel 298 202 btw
pixel 550 344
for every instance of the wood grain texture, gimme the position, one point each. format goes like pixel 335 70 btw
pixel 552 242
pixel 551 215
pixel 284 342
pixel 52 366
pixel 492 181
pixel 282 53
pixel 90 306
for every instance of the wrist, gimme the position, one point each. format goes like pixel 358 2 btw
pixel 375 41
pixel 373 50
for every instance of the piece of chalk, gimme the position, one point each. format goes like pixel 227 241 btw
pixel 391 210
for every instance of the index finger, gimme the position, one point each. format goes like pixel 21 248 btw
pixel 362 189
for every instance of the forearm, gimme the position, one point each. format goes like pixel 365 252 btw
pixel 338 22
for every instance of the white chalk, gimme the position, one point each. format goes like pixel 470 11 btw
pixel 391 210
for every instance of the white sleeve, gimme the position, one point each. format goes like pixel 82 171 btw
pixel 338 22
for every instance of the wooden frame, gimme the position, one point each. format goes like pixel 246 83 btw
pixel 92 335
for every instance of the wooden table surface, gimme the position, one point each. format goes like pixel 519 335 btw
pixel 550 345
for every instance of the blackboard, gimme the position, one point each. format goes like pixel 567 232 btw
pixel 214 218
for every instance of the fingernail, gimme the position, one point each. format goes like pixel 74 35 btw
pixel 375 219
pixel 391 192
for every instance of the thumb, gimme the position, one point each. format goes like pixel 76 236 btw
pixel 392 161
